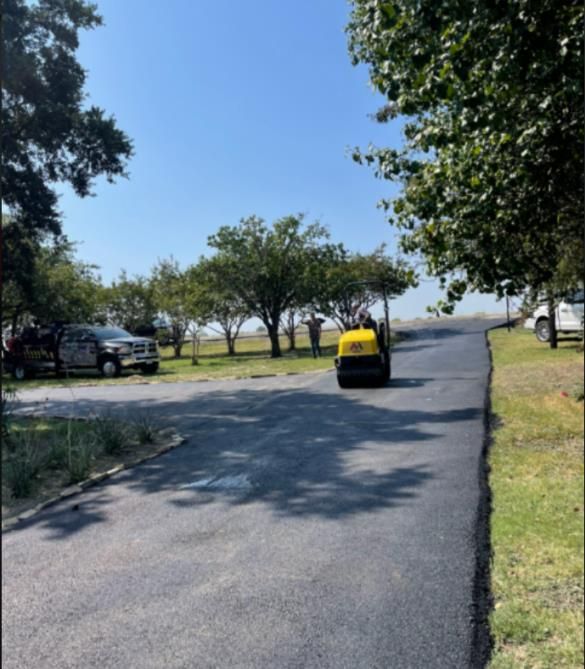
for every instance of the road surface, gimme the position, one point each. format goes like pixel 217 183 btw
pixel 299 526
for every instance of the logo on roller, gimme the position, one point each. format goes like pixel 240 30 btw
pixel 355 347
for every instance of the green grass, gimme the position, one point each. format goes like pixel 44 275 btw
pixel 537 522
pixel 252 358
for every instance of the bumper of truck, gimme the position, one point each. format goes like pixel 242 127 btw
pixel 135 361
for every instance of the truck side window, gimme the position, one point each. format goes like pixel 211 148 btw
pixel 71 336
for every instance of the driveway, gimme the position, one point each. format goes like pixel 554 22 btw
pixel 299 526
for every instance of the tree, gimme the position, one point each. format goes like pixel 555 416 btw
pixel 265 266
pixel 492 166
pixel 57 287
pixel 178 295
pixel 18 292
pixel 131 302
pixel 340 270
pixel 67 289
pixel 290 322
pixel 222 306
pixel 48 135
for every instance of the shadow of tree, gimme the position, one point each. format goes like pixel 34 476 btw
pixel 311 451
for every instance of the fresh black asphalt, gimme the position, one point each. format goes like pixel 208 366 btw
pixel 300 526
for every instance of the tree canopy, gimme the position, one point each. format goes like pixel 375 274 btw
pixel 48 134
pixel 218 302
pixel 492 162
pixel 340 270
pixel 179 296
pixel 57 286
pixel 266 266
pixel 131 302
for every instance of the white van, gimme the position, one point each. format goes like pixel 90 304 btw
pixel 569 317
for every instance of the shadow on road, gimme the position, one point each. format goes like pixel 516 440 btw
pixel 301 452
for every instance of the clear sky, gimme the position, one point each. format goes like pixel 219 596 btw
pixel 235 109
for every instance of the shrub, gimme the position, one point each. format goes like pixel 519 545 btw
pixel 146 428
pixel 80 454
pixel 24 462
pixel 111 434
pixel 62 443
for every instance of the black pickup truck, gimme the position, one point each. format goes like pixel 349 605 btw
pixel 70 348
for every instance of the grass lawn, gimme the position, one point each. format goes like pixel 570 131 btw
pixel 252 358
pixel 537 521
pixel 62 453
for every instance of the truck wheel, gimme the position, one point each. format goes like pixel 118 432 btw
pixel 542 330
pixel 151 368
pixel 110 368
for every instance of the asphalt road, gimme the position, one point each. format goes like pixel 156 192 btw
pixel 299 526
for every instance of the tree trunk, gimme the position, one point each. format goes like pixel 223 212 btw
pixel 552 321
pixel 178 340
pixel 14 323
pixel 274 341
pixel 292 340
pixel 194 350
pixel 231 343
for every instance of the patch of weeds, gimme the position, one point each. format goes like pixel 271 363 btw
pixel 58 452
pixel 111 434
pixel 80 456
pixel 26 458
pixel 59 443
pixel 6 408
pixel 146 428
pixel 72 450
pixel 579 391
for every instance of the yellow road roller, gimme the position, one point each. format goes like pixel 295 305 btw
pixel 363 354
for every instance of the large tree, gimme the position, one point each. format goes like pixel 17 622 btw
pixel 225 311
pixel 57 286
pixel 492 164
pixel 49 135
pixel 340 276
pixel 265 266
pixel 179 297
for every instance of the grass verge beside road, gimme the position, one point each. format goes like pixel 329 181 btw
pixel 537 486
pixel 252 358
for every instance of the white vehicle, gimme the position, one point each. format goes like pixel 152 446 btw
pixel 569 317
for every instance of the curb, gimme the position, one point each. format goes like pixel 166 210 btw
pixel 482 601
pixel 10 522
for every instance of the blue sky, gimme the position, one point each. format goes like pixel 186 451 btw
pixel 235 109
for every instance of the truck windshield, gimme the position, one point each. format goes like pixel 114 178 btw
pixel 110 333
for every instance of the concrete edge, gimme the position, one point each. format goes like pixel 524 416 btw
pixel 482 598
pixel 10 522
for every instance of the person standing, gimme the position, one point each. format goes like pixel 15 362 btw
pixel 314 324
